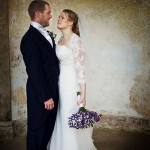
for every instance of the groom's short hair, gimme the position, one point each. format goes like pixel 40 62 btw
pixel 36 5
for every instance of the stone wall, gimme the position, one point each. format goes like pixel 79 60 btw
pixel 117 61
pixel 5 89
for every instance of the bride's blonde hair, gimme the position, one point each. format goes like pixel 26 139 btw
pixel 73 17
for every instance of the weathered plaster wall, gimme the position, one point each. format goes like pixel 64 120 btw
pixel 6 130
pixel 117 61
pixel 18 24
pixel 5 107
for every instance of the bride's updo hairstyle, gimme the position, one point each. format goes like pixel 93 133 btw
pixel 73 17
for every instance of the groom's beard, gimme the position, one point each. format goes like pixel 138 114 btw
pixel 44 23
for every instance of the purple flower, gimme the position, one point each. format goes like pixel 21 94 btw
pixel 83 119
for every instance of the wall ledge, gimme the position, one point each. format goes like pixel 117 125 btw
pixel 6 131
pixel 125 122
pixel 17 128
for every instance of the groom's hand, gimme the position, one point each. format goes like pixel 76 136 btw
pixel 49 104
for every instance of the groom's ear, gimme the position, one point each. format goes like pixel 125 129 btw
pixel 38 15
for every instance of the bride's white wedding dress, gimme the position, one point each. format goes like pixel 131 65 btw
pixel 72 73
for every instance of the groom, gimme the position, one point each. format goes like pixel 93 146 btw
pixel 38 50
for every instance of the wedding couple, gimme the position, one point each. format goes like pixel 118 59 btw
pixel 54 73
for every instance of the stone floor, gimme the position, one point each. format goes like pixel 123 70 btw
pixel 104 139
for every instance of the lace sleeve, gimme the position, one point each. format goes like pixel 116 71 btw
pixel 79 59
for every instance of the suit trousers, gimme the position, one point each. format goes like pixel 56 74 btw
pixel 37 139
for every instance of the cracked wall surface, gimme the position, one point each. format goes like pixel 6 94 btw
pixel 5 107
pixel 117 60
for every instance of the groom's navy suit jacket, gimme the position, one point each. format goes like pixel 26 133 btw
pixel 43 71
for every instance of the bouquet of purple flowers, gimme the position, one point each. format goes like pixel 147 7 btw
pixel 83 118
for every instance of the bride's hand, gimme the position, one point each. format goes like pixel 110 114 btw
pixel 81 100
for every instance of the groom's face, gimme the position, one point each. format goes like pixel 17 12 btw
pixel 45 16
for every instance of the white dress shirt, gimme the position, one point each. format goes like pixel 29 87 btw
pixel 42 31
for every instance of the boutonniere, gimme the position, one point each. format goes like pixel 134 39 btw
pixel 52 35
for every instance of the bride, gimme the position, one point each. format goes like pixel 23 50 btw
pixel 70 53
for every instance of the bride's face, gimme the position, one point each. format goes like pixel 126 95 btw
pixel 63 21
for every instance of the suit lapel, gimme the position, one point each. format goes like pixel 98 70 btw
pixel 41 37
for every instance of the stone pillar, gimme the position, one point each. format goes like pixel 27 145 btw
pixel 6 131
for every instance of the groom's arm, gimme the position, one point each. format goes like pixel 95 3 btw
pixel 34 68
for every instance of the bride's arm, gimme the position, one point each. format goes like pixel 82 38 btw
pixel 80 68
pixel 83 94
